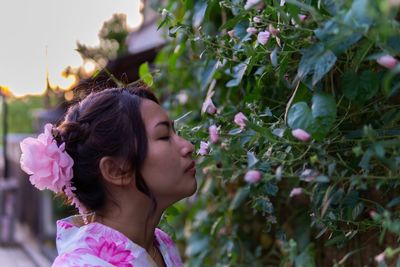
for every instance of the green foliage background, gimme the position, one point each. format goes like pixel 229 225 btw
pixel 319 74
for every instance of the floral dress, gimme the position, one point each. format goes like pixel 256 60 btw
pixel 95 244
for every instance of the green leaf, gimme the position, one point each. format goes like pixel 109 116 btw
pixel 359 88
pixel 322 179
pixel 318 120
pixel 235 131
pixel 233 21
pixel 238 72
pixel 347 28
pixel 323 65
pixel 357 210
pixel 197 243
pixel 216 225
pixel 199 12
pixel 145 74
pixel 251 159
pixel 173 211
pixel 393 203
pixel 333 6
pixel 306 257
pixel 316 60
pixel 323 114
pixel 299 116
pixel 240 196
pixel 208 73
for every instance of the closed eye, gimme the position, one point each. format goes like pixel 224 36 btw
pixel 165 138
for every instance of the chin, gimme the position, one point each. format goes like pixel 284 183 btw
pixel 191 189
pixel 194 188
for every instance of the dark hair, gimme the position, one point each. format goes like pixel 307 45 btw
pixel 105 123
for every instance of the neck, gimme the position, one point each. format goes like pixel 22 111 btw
pixel 134 222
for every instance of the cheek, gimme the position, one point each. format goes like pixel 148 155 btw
pixel 161 162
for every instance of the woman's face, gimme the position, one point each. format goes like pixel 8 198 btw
pixel 168 169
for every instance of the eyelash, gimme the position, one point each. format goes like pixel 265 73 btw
pixel 165 138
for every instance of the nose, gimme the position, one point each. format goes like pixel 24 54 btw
pixel 187 147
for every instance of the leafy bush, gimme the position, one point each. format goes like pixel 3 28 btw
pixel 328 193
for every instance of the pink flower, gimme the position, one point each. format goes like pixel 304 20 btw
pixel 240 119
pixel 109 251
pixel 282 3
pixel 203 148
pixel 373 214
pixel 308 175
pixel 296 191
pixel 263 37
pixel 257 19
pixel 301 135
pixel 48 165
pixel 250 3
pixel 231 33
pixel 387 61
pixel 213 131
pixel 380 257
pixel 252 176
pixel 272 30
pixel 302 17
pixel 251 30
pixel 209 107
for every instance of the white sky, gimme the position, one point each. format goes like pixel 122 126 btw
pixel 27 27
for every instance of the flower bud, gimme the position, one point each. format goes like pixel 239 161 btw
pixel 296 191
pixel 213 132
pixel 301 135
pixel 252 176
pixel 387 61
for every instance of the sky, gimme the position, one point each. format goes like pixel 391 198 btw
pixel 36 35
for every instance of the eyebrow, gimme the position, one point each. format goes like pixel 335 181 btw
pixel 167 124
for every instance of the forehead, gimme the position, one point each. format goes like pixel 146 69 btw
pixel 152 113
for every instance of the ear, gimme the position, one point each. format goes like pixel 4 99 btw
pixel 115 172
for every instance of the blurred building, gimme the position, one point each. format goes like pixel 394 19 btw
pixel 143 45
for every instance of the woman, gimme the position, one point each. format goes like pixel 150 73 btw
pixel 117 158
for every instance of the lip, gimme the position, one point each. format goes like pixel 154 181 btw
pixel 191 167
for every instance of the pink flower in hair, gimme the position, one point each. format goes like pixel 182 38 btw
pixel 48 165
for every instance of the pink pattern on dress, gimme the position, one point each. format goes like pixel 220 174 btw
pixel 66 259
pixel 97 229
pixel 64 224
pixel 170 248
pixel 109 251
pixel 165 238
